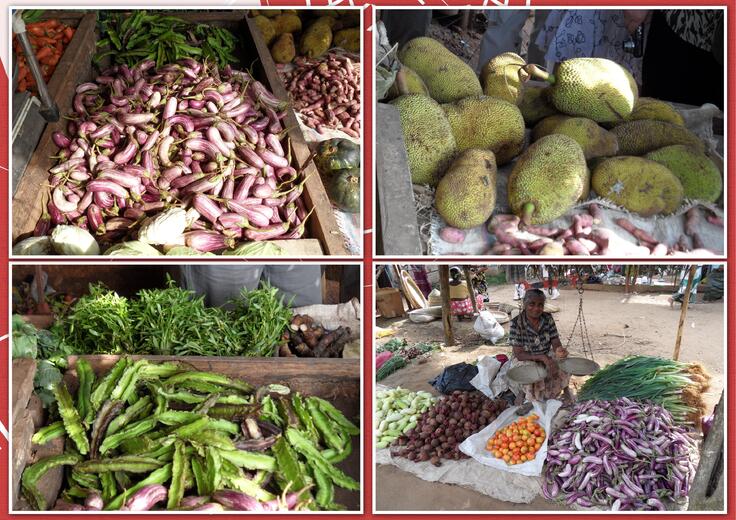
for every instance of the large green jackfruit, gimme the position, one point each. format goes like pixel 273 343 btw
pixel 447 77
pixel 500 77
pixel 644 136
pixel 596 88
pixel 547 179
pixel 407 82
pixel 428 138
pixel 487 123
pixel 534 104
pixel 466 195
pixel 700 177
pixel 639 185
pixel 650 108
pixel 594 140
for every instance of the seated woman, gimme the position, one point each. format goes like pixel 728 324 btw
pixel 460 303
pixel 534 338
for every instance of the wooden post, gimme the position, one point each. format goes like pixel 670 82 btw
pixel 683 311
pixel 710 468
pixel 446 316
pixel 626 273
pixel 465 23
pixel 471 291
pixel 397 273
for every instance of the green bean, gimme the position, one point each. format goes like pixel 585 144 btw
pixel 325 490
pixel 305 447
pixel 336 415
pixel 70 417
pixel 249 487
pixel 213 468
pixel 177 417
pixel 104 387
pixel 128 380
pixel 159 476
pixel 211 438
pixel 189 398
pixel 192 427
pixel 134 430
pixel 249 460
pixel 109 485
pixel 129 463
pixel 232 412
pixel 178 475
pixel 324 427
pixel 85 480
pixel 335 456
pixel 106 414
pixel 304 418
pixel 209 377
pixel 200 478
pixel 136 445
pixel 159 371
pixel 48 433
pixel 202 387
pixel 269 411
pixel 289 473
pixel 33 473
pixel 86 380
pixel 142 407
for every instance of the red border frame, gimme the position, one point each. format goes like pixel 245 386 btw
pixel 368 249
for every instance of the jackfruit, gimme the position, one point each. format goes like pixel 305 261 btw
pixel 700 177
pixel 407 82
pixel 348 39
pixel 283 51
pixel 644 136
pixel 594 140
pixel 287 23
pixel 596 88
pixel 547 125
pixel 500 77
pixel 428 138
pixel 316 40
pixel 650 108
pixel 639 185
pixel 547 179
pixel 447 77
pixel 268 31
pixel 466 195
pixel 487 123
pixel 534 105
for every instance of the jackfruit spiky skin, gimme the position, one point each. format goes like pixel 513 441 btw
pixel 428 138
pixel 594 140
pixel 500 77
pixel 534 104
pixel 596 88
pixel 650 108
pixel 644 136
pixel 407 82
pixel 487 123
pixel 547 125
pixel 700 177
pixel 466 195
pixel 550 175
pixel 639 185
pixel 447 77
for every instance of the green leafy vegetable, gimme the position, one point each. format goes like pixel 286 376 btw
pixel 25 338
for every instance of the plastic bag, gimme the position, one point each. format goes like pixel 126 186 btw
pixel 475 445
pixel 488 328
pixel 488 368
pixel 455 377
pixel 382 358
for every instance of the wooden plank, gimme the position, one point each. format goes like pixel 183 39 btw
pixel 331 282
pixel 710 468
pixel 77 66
pixel 398 229
pixel 322 224
pixel 683 311
pixel 446 314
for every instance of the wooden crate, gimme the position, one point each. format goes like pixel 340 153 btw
pixel 337 380
pixel 321 226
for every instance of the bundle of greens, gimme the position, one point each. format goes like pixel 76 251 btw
pixel 132 38
pixel 162 436
pixel 676 386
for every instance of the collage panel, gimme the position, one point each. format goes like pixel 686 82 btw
pixel 549 388
pixel 186 132
pixel 201 387
pixel 550 132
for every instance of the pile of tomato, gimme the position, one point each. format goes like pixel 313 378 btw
pixel 517 442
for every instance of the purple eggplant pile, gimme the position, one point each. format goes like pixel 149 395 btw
pixel 207 142
pixel 619 455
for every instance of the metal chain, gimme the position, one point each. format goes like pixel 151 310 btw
pixel 584 337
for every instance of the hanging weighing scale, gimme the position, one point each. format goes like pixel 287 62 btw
pixel 580 366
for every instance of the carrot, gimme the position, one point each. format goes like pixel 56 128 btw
pixel 44 53
pixel 36 31
pixel 68 34
pixel 22 85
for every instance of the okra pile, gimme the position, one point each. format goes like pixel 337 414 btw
pixel 160 435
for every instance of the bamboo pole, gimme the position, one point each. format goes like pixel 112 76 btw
pixel 446 316
pixel 471 291
pixel 683 312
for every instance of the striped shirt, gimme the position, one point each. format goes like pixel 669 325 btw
pixel 534 341
pixel 695 26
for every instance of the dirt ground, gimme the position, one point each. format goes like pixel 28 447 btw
pixel 618 325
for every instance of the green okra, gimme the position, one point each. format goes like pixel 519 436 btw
pixel 231 412
pixel 315 459
pixel 159 371
pixel 202 387
pixel 307 424
pixel 33 473
pixel 109 485
pixel 177 417
pixel 70 417
pixel 249 459
pixel 200 478
pixel 129 463
pixel 178 476
pixel 160 476
pixel 212 438
pixel 213 468
pixel 48 433
pixel 86 378
pixel 335 456
pixel 128 381
pixel 141 408
pixel 336 415
pixel 134 430
pixel 104 387
pixel 209 377
pixel 324 427
pixel 191 428
pixel 190 398
pixel 289 475
pixel 325 495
